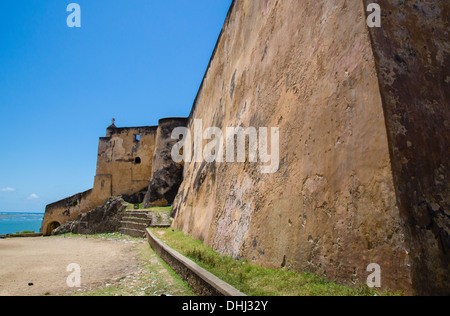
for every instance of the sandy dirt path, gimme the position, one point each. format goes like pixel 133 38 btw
pixel 44 262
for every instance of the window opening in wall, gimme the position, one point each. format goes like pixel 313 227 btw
pixel 138 138
pixel 137 160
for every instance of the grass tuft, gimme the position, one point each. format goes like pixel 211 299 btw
pixel 255 280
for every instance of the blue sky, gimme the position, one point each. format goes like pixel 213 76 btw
pixel 134 60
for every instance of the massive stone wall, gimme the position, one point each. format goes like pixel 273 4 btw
pixel 309 68
pixel 363 124
pixel 413 65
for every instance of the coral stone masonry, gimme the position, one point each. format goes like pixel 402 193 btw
pixel 364 134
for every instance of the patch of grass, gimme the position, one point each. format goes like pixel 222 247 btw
pixel 154 209
pixel 255 280
pixel 160 209
pixel 106 236
pixel 25 232
pixel 152 278
pixel 130 206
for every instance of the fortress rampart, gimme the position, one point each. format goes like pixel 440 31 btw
pixel 364 144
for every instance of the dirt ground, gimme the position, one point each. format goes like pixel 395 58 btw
pixel 44 261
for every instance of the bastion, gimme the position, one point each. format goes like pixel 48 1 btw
pixel 124 168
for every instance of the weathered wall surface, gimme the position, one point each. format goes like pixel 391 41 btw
pixel 67 210
pixel 103 219
pixel 413 65
pixel 166 174
pixel 308 68
pixel 126 156
pixel 124 167
pixel 364 144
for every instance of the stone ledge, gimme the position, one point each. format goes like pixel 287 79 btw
pixel 31 235
pixel 201 281
pixel 132 232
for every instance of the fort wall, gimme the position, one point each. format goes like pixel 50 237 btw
pixel 66 210
pixel 307 67
pixel 124 167
pixel 126 156
pixel 412 56
pixel 363 125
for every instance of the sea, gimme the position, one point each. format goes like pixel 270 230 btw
pixel 12 223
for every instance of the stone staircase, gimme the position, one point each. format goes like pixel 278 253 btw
pixel 134 222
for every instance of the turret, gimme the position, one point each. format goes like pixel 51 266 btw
pixel 111 128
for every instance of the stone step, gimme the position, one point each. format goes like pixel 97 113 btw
pixel 134 225
pixel 137 220
pixel 160 225
pixel 132 232
pixel 138 214
pixel 160 220
pixel 134 222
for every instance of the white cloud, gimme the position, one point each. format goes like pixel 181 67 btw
pixel 33 197
pixel 7 190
